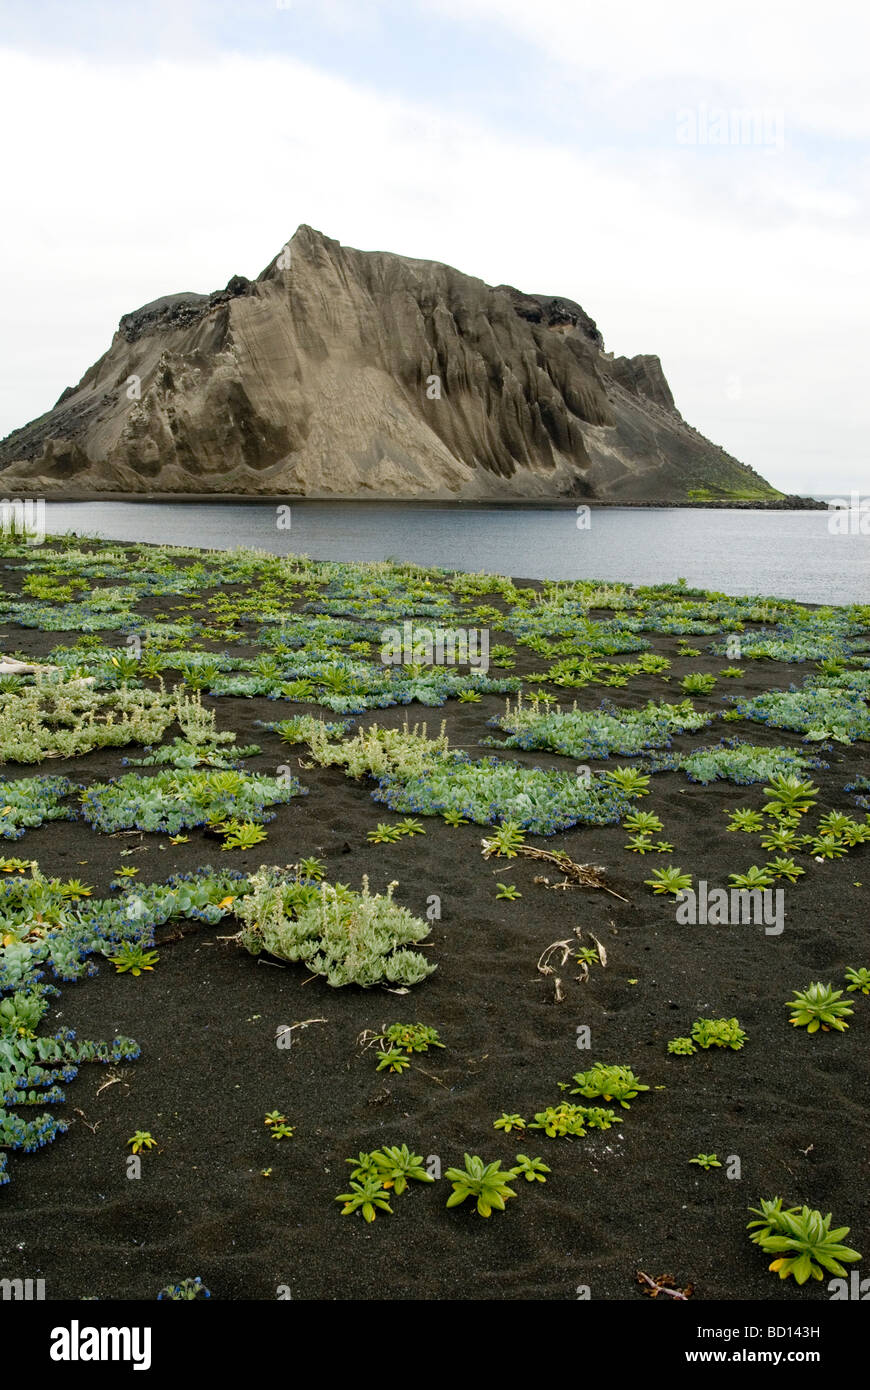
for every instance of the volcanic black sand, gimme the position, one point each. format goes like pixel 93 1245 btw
pixel 792 1107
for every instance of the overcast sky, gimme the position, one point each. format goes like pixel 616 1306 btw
pixel 695 177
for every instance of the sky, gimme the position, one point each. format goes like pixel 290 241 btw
pixel 696 177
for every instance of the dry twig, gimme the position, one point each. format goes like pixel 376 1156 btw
pixel 291 1027
pixel 568 949
pixel 111 1080
pixel 576 875
pixel 92 1128
pixel 665 1283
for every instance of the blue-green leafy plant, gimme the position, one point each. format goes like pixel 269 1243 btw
pixel 32 801
pixel 33 1067
pixel 180 800
pixel 586 734
pixel 185 1291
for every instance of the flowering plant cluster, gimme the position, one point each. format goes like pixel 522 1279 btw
pixel 179 800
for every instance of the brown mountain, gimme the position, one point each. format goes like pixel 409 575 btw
pixel 347 373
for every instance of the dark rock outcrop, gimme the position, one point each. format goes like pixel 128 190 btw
pixel 349 373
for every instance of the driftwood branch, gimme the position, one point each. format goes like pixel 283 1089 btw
pixel 575 875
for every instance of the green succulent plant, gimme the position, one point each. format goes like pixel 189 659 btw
pixel 643 822
pixel 392 1059
pixel 142 1141
pixel 561 1121
pixel 819 1007
pixel 801 1240
pixel 789 793
pixel 367 1195
pixel 384 834
pixel 753 878
pixel 411 826
pixel 783 867
pixel 718 1032
pixel 610 1081
pixel 826 847
pixel 241 834
pixel 505 840
pixel 858 980
pixel 397 1166
pixel 532 1169
pixel 312 868
pixel 629 780
pixel 413 1037
pixel 133 958
pixel 669 880
pixel 698 682
pixel 74 889
pixel 487 1183
pixel 748 821
pixel 509 1122
pixel 641 844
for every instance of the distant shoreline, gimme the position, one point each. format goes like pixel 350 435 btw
pixel 464 504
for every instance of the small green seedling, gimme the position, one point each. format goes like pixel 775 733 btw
pixel 509 1122
pixel 142 1141
pixel 393 1060
pixel 532 1169
pixel 858 979
pixel 413 1037
pixel 384 834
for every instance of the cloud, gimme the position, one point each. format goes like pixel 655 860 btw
pixel 741 44
pixel 124 181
